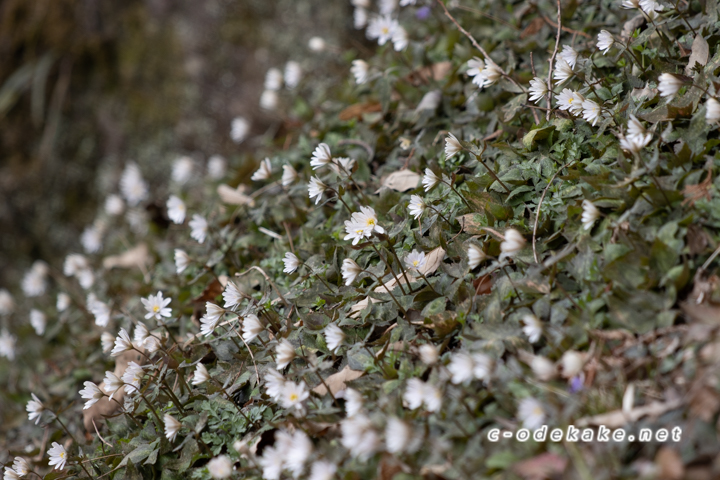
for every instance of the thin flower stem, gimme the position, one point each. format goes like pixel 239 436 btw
pixel 337 194
pixel 492 174
pixel 388 264
pixel 161 425
pixel 552 60
pixel 537 210
pixel 304 357
pixel 402 269
pixel 174 397
pixel 388 290
pixel 441 215
pixel 428 283
pixel 230 398
pixel 655 181
pixel 74 441
pixel 458 193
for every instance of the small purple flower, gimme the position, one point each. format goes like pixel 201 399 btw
pixel 422 13
pixel 576 384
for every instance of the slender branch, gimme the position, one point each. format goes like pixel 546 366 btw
pixel 537 210
pixel 552 60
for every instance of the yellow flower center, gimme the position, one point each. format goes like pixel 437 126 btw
pixel 385 30
pixel 371 221
pixel 293 397
pixel 415 263
pixel 156 308
pixel 570 100
pixel 62 454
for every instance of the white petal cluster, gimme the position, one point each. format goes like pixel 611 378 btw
pixel 465 366
pixel 531 413
pixel 291 261
pixel 417 206
pixel 92 393
pixel 201 375
pixel 289 175
pixel 239 129
pixel 264 172
pixel 284 353
pixel 570 55
pixel 476 256
pixel 669 85
pixel 34 283
pixel 419 393
pixel 334 337
pixel 216 167
pixel 359 437
pixel 360 71
pixel 58 456
pixel 350 270
pixel 176 209
pixel 362 224
pixel 199 228
pixel 182 260
pixel 182 170
pixel 38 321
pixel 7 344
pixel 429 180
pixel 570 101
pixel 172 427
pixel 452 146
pixel 415 260
pixel 562 71
pixel 316 188
pixel 220 467
pixel 381 28
pixel 34 408
pixel 157 306
pixel 590 213
pixel 400 437
pixel 538 89
pixel 513 243
pixel 252 327
pixel 132 185
pixel 605 41
pixel 532 328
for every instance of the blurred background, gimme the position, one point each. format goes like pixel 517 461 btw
pixel 86 86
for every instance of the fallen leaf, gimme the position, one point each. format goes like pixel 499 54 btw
pixel 234 196
pixel 544 466
pixel 618 418
pixel 401 181
pixel 533 27
pixel 432 262
pixel 361 305
pixel 670 464
pixel 336 381
pixel 135 257
pixel 631 25
pixel 704 403
pixel 358 109
pixel 483 285
pixel 211 292
pixel 700 54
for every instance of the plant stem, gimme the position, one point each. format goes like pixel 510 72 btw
pixel 388 264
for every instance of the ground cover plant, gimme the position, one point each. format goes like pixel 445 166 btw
pixel 501 217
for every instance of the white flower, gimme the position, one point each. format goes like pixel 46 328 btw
pixel 399 437
pixel 562 71
pixel 461 368
pixel 151 344
pixel 199 227
pixel 342 165
pixel 415 260
pixel 651 8
pixel 21 466
pixel 452 146
pixel 273 79
pixel 112 382
pixel 293 74
pixel 430 180
pixel 232 295
pixel 291 261
pixel 387 7
pixel 350 270
pixel 38 321
pixel 284 353
pixel 122 343
pixel 34 408
pixel 482 366
pixel 91 239
pixel 532 328
pixel 569 55
pixel 141 333
pixel 274 384
pixel 317 44
pixel 157 306
pixel 400 39
pixel 353 402
pixel 176 209
pixel 220 467
pixel 531 413
pixel 92 393
pixel 362 224
pixel 63 302
pixel 182 260
pixel 668 85
pixel 214 312
pixel 269 100
pixel 100 310
pixel 75 263
pixel 114 205
pixel 475 256
pixel 538 89
pixel 58 456
pixel 252 327
pixel 381 28
pixel 239 129
pixel 293 394
pixel 542 368
pixel 132 377
pixel 629 4
pixel 208 325
pixel 418 393
pixel 182 170
pixel 572 363
pixel 513 243
pixel 569 100
pixel 417 206
pixel 321 156
pixel 322 470
pixel 360 18
pixel 405 3
pixel 475 67
pixel 271 462
pixel 10 474
pixel 429 354
pixel 216 167
pixel 7 344
pixel 107 341
pixel 589 215
pixel 359 437
pixel 297 448
pixel 605 41
pixel 712 110
pixel 316 188
pixel 172 427
pixel 591 111
pixel 334 337
pixel 33 283
pixel 264 172
pixel 132 185
pixel 7 304
pixel 637 132
pixel 489 75
pixel 289 175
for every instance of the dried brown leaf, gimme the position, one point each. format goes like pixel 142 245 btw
pixel 135 257
pixel 401 181
pixel 544 466
pixel 700 54
pixel 358 109
pixel 336 381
